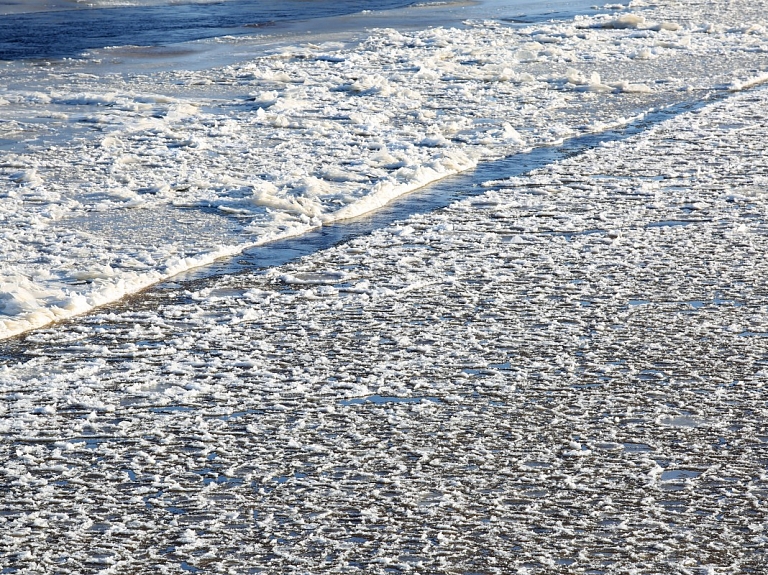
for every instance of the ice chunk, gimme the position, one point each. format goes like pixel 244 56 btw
pixel 624 21
pixel 739 85
pixel 371 84
pixel 29 176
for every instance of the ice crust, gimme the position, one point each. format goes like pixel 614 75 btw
pixel 564 375
pixel 309 134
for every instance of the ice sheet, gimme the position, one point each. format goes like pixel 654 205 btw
pixel 566 374
pixel 310 133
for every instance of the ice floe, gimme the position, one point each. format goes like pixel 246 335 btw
pixel 564 374
pixel 306 134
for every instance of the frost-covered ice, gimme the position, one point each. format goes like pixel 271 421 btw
pixel 564 375
pixel 310 133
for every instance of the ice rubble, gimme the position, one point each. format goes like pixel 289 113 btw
pixel 312 133
pixel 565 375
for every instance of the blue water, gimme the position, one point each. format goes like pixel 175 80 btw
pixel 49 34
pixel 68 33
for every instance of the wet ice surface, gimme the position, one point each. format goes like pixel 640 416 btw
pixel 306 134
pixel 564 375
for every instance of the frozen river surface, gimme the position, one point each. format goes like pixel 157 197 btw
pixel 565 373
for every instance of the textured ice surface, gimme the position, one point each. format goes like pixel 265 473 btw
pixel 565 375
pixel 102 172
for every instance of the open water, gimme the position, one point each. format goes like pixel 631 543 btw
pixel 67 33
pixel 36 30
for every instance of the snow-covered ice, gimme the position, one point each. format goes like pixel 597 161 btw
pixel 565 374
pixel 308 134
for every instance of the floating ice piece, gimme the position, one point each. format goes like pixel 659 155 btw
pixel 643 54
pixel 512 135
pixel 525 56
pixel 684 421
pixel 333 174
pixel 189 537
pixel 386 190
pixel 624 21
pixel 360 118
pixel 99 272
pixel 756 29
pixel 324 278
pixel 629 88
pixel 371 84
pixel 573 76
pixel 181 111
pixel 682 43
pixel 87 99
pixel 437 141
pixel 739 85
pixel 591 84
pixel 268 195
pixel 34 97
pixel 636 22
pixel 155 99
pixel 595 84
pixel 17 299
pixel 265 98
pixel 29 176
pixel 668 26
